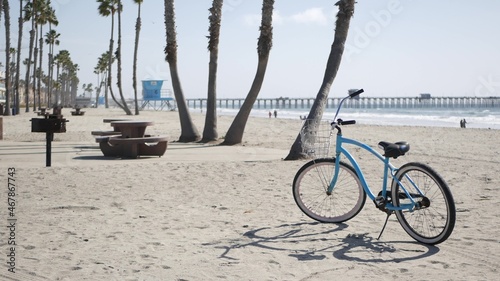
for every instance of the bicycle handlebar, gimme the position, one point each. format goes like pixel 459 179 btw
pixel 340 121
pixel 347 122
pixel 357 93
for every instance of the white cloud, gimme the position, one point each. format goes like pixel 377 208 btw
pixel 313 15
pixel 309 16
pixel 255 19
pixel 252 20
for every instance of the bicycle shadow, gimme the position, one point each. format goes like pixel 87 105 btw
pixel 299 238
pixel 284 241
pixel 367 244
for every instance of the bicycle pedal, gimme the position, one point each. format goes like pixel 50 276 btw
pixel 379 202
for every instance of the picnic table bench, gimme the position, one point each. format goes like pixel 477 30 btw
pixel 42 111
pixel 77 112
pixel 114 132
pixel 130 140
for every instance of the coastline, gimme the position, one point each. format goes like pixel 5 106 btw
pixel 228 212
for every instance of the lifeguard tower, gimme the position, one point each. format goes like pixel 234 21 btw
pixel 153 96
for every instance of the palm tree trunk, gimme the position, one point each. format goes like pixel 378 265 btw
pixel 210 129
pixel 119 63
pixel 110 84
pixel 136 48
pixel 28 69
pixel 235 133
pixel 189 133
pixel 6 12
pixel 35 58
pixel 59 86
pixel 39 82
pixel 346 11
pixel 18 59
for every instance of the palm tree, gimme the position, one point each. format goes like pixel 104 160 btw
pixel 61 59
pixel 189 132
pixel 136 47
pixel 6 11
pixel 235 133
pixel 101 70
pixel 68 70
pixel 51 40
pixel 109 8
pixel 87 88
pixel 29 15
pixel 118 55
pixel 210 129
pixel 47 15
pixel 18 59
pixel 344 15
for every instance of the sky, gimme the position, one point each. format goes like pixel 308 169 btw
pixel 394 47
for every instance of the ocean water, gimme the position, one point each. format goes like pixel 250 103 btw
pixel 484 118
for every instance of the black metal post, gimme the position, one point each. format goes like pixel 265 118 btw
pixel 48 155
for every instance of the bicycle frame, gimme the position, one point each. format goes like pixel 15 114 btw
pixel 340 150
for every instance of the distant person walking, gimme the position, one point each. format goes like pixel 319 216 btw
pixel 270 114
pixel 275 113
pixel 462 123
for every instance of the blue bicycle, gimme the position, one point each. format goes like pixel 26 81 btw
pixel 332 190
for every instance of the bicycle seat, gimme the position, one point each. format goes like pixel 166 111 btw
pixel 394 150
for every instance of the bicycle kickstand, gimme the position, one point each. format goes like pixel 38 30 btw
pixel 386 220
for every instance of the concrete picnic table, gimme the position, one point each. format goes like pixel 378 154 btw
pixel 131 129
pixel 132 141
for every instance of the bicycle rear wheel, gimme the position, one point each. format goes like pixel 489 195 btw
pixel 433 219
pixel 310 187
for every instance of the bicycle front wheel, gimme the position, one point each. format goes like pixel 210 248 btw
pixel 310 187
pixel 433 219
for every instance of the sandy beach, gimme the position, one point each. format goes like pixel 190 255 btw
pixel 205 212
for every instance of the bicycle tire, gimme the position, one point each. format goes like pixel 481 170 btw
pixel 434 222
pixel 310 191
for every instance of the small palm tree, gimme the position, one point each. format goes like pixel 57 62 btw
pixel 344 15
pixel 189 132
pixel 51 39
pixel 61 59
pixel 235 133
pixel 102 69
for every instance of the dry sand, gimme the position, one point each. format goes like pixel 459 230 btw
pixel 205 212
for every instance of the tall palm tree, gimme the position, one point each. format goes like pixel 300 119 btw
pixel 29 15
pixel 18 59
pixel 33 11
pixel 189 132
pixel 109 8
pixel 344 15
pixel 51 39
pixel 118 55
pixel 47 16
pixel 6 11
pixel 210 129
pixel 136 48
pixel 235 133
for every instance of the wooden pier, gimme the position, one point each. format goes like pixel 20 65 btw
pixel 361 102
